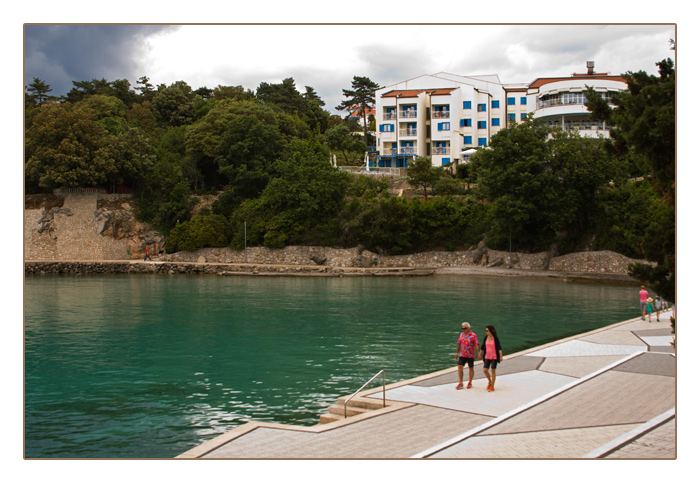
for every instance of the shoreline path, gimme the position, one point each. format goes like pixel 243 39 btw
pixel 609 393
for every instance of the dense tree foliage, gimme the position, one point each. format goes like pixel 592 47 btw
pixel 643 120
pixel 265 156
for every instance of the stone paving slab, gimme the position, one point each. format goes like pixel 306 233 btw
pixel 508 366
pixel 580 348
pixel 512 391
pixel 618 337
pixel 577 366
pixel 563 443
pixel 399 434
pixel 650 363
pixel 658 443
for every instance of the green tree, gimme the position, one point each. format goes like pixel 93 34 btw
pixel 360 97
pixel 38 92
pixel 299 205
pixel 643 123
pixel 422 174
pixel 339 138
pixel 203 230
pixel 174 104
pixel 65 148
pixel 541 183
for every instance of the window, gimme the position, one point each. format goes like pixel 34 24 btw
pixel 511 101
pixel 482 141
pixel 443 126
pixel 467 140
pixel 495 104
pixel 481 124
pixel 496 121
pixel 465 123
pixel 511 116
pixel 523 116
pixel 467 105
pixel 523 101
pixel 386 128
pixel 481 108
pixel 446 161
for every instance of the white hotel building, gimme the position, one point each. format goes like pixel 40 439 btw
pixel 446 116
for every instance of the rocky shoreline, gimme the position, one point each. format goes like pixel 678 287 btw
pixel 84 267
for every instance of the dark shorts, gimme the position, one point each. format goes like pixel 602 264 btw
pixel 490 363
pixel 468 360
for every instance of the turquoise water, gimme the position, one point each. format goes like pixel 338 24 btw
pixel 148 366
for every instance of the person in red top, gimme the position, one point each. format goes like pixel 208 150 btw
pixel 643 295
pixel 467 344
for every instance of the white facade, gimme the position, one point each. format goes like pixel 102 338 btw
pixel 444 116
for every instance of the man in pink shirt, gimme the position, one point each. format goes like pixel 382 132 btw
pixel 643 295
pixel 466 352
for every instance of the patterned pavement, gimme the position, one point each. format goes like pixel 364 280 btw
pixel 609 393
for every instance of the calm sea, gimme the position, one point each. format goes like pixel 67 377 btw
pixel 148 366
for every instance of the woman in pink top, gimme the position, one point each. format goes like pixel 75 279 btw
pixel 492 354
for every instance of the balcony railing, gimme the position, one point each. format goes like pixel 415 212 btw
pixel 579 125
pixel 389 116
pixel 440 115
pixel 441 150
pixel 403 151
pixel 409 114
pixel 408 132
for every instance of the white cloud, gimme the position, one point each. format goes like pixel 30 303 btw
pixel 326 57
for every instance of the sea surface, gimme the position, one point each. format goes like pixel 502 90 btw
pixel 151 365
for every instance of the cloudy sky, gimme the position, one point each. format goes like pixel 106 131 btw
pixel 326 57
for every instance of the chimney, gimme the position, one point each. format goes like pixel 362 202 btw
pixel 591 65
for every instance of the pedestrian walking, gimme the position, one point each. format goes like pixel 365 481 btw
pixel 650 308
pixel 147 257
pixel 467 343
pixel 492 354
pixel 659 305
pixel 643 295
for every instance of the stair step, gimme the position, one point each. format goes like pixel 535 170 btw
pixel 329 418
pixel 362 403
pixel 352 411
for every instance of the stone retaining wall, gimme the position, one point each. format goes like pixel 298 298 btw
pixel 585 262
pixel 80 230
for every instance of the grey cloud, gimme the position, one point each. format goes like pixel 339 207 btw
pixel 61 54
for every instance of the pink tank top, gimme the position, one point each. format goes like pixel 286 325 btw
pixel 490 349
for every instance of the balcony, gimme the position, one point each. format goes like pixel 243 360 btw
pixel 408 132
pixel 440 115
pixel 389 116
pixel 441 150
pixel 409 114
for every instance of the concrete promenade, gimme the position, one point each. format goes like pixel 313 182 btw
pixel 609 393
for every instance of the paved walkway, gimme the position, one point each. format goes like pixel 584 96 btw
pixel 610 393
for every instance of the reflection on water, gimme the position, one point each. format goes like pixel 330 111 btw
pixel 151 365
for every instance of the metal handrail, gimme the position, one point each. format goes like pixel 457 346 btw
pixel 345 406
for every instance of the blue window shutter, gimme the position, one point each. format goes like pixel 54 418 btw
pixel 496 121
pixel 511 101
pixel 482 141
pixel 467 105
pixel 446 161
pixel 495 104
pixel 523 101
pixel 468 140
